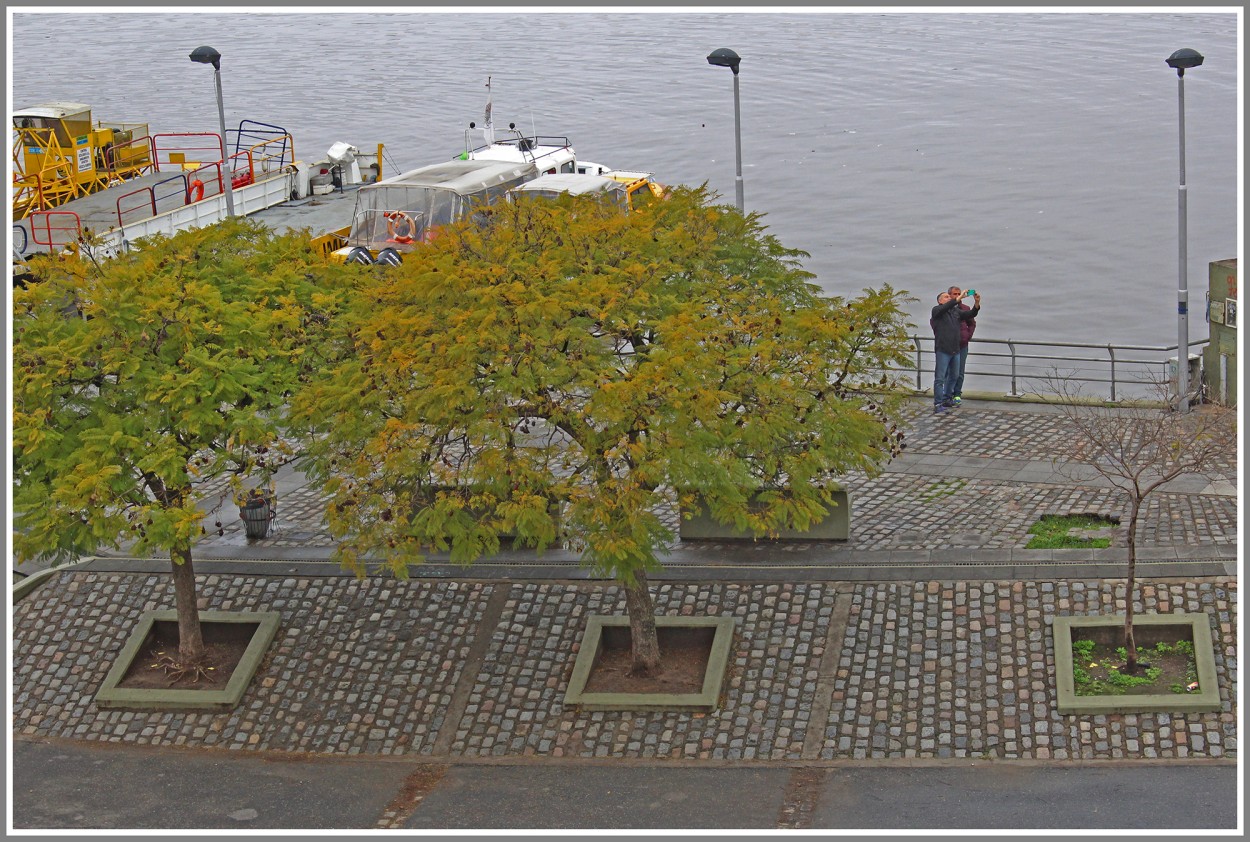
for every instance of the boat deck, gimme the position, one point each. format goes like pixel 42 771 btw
pixel 317 214
pixel 98 213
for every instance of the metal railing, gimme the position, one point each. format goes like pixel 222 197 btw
pixel 55 228
pixel 1019 367
pixel 276 140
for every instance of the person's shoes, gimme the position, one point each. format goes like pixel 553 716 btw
pixel 957 400
pixel 948 404
pixel 940 409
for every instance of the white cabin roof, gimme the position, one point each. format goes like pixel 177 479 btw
pixel 571 183
pixel 461 177
pixel 53 110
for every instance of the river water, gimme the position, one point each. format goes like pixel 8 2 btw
pixel 1033 156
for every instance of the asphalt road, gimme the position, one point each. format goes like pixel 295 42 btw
pixel 77 785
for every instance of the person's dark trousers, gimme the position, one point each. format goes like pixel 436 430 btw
pixel 958 390
pixel 945 372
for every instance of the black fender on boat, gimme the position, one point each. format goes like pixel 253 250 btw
pixel 359 254
pixel 389 257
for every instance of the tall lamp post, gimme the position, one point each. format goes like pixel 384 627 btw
pixel 207 55
pixel 725 57
pixel 1180 60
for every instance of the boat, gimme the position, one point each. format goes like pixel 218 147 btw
pixel 98 187
pixel 124 183
pixel 394 216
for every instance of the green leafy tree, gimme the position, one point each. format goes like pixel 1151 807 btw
pixel 565 370
pixel 137 378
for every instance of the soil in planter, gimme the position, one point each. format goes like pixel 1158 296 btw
pixel 224 645
pixel 1162 668
pixel 684 654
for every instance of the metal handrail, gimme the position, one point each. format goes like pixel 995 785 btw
pixel 268 134
pixel 47 228
pixel 1111 367
pixel 163 145
pixel 126 160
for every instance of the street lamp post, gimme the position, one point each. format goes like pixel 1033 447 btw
pixel 1180 60
pixel 207 55
pixel 725 57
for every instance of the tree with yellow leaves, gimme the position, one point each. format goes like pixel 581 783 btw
pixel 560 370
pixel 138 379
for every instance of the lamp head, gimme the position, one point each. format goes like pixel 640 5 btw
pixel 1183 59
pixel 725 57
pixel 206 55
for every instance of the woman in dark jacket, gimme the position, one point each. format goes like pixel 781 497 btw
pixel 966 328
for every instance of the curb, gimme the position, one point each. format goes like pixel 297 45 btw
pixel 32 583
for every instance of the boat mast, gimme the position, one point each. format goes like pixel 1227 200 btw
pixel 488 126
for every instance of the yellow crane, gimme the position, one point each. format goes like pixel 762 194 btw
pixel 59 155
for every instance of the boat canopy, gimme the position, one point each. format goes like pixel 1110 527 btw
pixel 551 186
pixel 408 207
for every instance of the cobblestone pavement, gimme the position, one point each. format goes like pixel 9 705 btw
pixel 931 669
pixel 920 510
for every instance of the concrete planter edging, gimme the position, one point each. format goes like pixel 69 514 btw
pixel 1207 698
pixel 31 583
pixel 110 695
pixel 708 699
pixel 35 580
pixel 697 524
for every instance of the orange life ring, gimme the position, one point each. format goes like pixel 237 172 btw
pixel 196 191
pixel 400 227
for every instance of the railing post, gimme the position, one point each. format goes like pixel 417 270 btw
pixel 1111 352
pixel 1011 346
pixel 916 340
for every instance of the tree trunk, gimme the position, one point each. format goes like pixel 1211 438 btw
pixel 190 638
pixel 645 645
pixel 1130 643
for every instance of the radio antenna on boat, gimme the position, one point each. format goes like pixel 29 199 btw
pixel 488 127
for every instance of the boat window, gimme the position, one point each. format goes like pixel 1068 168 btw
pixel 568 167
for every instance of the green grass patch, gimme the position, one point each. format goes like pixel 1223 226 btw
pixel 1051 533
pixel 1098 670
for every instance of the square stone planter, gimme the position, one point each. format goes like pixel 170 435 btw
pixel 505 535
pixel 264 625
pixel 598 626
pixel 697 524
pixel 1148 629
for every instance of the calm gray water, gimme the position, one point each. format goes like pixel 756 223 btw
pixel 1032 156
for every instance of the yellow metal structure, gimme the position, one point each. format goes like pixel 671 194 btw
pixel 59 155
pixel 332 241
pixel 640 187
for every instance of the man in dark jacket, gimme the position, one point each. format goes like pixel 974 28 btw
pixel 945 320
pixel 966 329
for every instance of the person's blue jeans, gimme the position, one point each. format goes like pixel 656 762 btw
pixel 945 372
pixel 957 390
